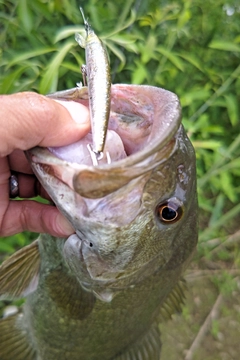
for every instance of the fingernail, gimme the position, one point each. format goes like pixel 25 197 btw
pixel 64 226
pixel 78 112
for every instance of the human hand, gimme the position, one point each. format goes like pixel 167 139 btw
pixel 27 120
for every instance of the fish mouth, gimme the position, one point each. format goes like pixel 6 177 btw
pixel 143 122
pixel 101 202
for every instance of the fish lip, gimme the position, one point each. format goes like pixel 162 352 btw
pixel 172 118
pixel 96 181
pixel 166 104
pixel 169 111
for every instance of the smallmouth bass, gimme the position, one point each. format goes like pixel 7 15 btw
pixel 99 294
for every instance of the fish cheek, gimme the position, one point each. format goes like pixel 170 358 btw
pixel 66 292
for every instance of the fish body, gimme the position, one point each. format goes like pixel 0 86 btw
pixel 100 293
pixel 99 85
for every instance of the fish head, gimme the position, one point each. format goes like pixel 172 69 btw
pixel 137 214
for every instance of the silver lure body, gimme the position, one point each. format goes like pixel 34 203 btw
pixel 99 85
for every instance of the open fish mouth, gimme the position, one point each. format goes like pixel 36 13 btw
pixel 143 122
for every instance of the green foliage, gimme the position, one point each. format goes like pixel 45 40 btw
pixel 226 283
pixel 189 47
pixel 215 328
pixel 12 243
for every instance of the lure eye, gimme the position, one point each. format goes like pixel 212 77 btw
pixel 169 212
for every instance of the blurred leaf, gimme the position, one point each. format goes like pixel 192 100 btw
pixel 149 48
pixel 49 79
pixel 9 244
pixel 120 55
pixel 232 107
pixel 139 74
pixel 123 40
pixel 227 186
pixel 237 39
pixel 224 45
pixel 218 168
pixel 42 9
pixel 152 19
pixel 210 144
pixel 217 211
pixel 25 15
pixel 77 56
pixel 123 15
pixel 221 222
pixel 185 15
pixel 9 80
pixel 5 246
pixel 68 31
pixel 171 56
pixel 30 54
pixel 195 94
pixel 72 67
pixel 118 29
pixel 192 60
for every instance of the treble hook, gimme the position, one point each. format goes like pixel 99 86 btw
pixel 96 157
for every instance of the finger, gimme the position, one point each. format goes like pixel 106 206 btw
pixel 19 163
pixel 28 119
pixel 4 187
pixel 29 187
pixel 32 216
pixel 17 216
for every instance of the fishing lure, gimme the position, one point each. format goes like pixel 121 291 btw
pixel 97 70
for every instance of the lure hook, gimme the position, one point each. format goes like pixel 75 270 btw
pixel 96 157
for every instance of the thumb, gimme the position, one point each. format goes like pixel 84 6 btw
pixel 29 119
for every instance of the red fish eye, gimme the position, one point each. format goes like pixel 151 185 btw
pixel 169 212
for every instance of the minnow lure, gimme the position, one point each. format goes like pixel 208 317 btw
pixel 99 86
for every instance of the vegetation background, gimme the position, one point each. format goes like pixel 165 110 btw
pixel 192 48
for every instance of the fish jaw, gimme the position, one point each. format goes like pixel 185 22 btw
pixel 119 239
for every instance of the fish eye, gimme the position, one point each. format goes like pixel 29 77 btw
pixel 169 212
